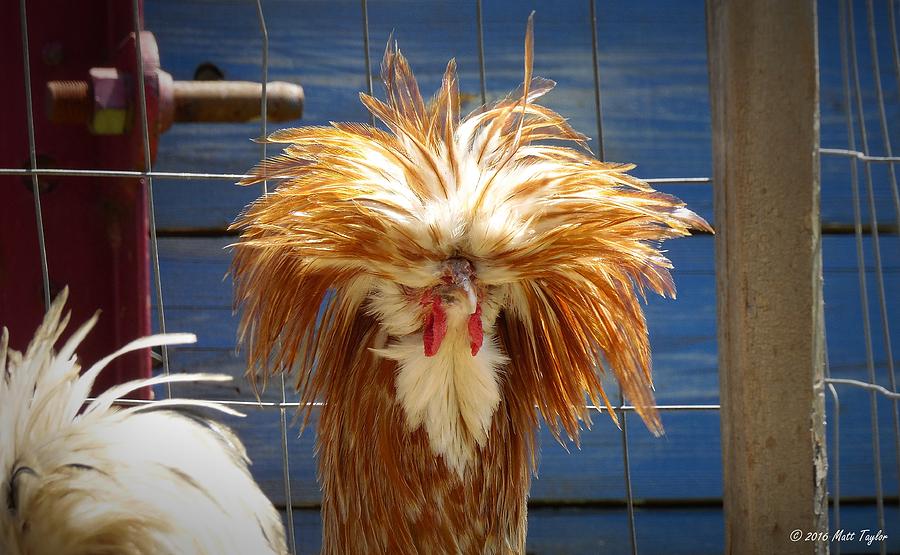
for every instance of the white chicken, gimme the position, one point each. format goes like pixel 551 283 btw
pixel 83 477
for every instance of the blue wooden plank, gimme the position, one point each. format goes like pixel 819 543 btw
pixel 653 70
pixel 843 308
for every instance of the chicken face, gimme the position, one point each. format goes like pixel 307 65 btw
pixel 457 294
pixel 442 338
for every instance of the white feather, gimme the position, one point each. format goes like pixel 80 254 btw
pixel 139 480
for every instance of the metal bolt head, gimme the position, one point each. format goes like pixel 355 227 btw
pixel 110 90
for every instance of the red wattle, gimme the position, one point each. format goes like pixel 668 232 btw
pixel 435 328
pixel 476 333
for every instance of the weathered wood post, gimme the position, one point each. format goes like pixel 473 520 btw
pixel 765 116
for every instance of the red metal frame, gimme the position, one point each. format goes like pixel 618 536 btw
pixel 96 228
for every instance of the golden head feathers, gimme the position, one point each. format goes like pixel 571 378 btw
pixel 571 237
pixel 455 268
pixel 85 477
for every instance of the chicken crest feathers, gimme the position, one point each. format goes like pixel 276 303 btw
pixel 572 240
pixel 82 476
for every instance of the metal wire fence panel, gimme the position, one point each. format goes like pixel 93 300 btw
pixel 860 106
pixel 858 110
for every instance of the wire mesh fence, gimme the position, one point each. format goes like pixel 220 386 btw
pixel 858 151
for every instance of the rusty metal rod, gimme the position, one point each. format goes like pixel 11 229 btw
pixel 195 101
pixel 232 101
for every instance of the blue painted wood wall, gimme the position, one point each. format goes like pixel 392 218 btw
pixel 655 113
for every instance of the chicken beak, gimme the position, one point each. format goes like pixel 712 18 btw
pixel 465 283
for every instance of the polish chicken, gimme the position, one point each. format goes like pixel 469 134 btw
pixel 441 285
pixel 81 477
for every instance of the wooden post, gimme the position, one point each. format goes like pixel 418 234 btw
pixel 765 117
